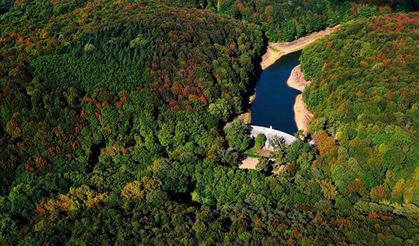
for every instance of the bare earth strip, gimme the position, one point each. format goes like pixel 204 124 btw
pixel 249 163
pixel 296 79
pixel 302 115
pixel 277 50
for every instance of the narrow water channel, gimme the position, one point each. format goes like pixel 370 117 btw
pixel 274 103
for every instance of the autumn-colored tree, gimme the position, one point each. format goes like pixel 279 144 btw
pixel 329 190
pixel 324 142
pixel 137 189
pixel 378 193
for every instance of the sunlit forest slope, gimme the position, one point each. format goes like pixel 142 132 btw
pixel 364 93
pixel 113 124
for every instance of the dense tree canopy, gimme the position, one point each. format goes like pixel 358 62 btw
pixel 286 20
pixel 113 126
pixel 365 94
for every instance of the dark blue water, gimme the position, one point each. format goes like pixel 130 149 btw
pixel 274 104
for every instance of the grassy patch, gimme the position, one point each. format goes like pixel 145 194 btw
pixel 252 153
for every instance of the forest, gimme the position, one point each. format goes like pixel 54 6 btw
pixel 365 95
pixel 113 124
pixel 286 20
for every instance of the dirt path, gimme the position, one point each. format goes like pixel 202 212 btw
pixel 277 50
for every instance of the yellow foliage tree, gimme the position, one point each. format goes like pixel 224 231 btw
pixel 328 188
pixel 138 189
pixel 397 191
pixel 77 198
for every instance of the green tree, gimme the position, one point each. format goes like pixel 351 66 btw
pixel 8 228
pixel 260 141
pixel 221 109
pixel 237 135
pixel 263 164
pixel 277 141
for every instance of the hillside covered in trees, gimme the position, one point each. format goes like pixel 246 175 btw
pixel 365 95
pixel 286 20
pixel 113 114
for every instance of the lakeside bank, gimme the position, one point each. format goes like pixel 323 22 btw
pixel 276 50
pixel 274 101
pixel 302 115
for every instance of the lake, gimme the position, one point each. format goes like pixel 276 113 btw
pixel 274 103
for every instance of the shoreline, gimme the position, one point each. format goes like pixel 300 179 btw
pixel 276 50
pixel 296 79
pixel 302 115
